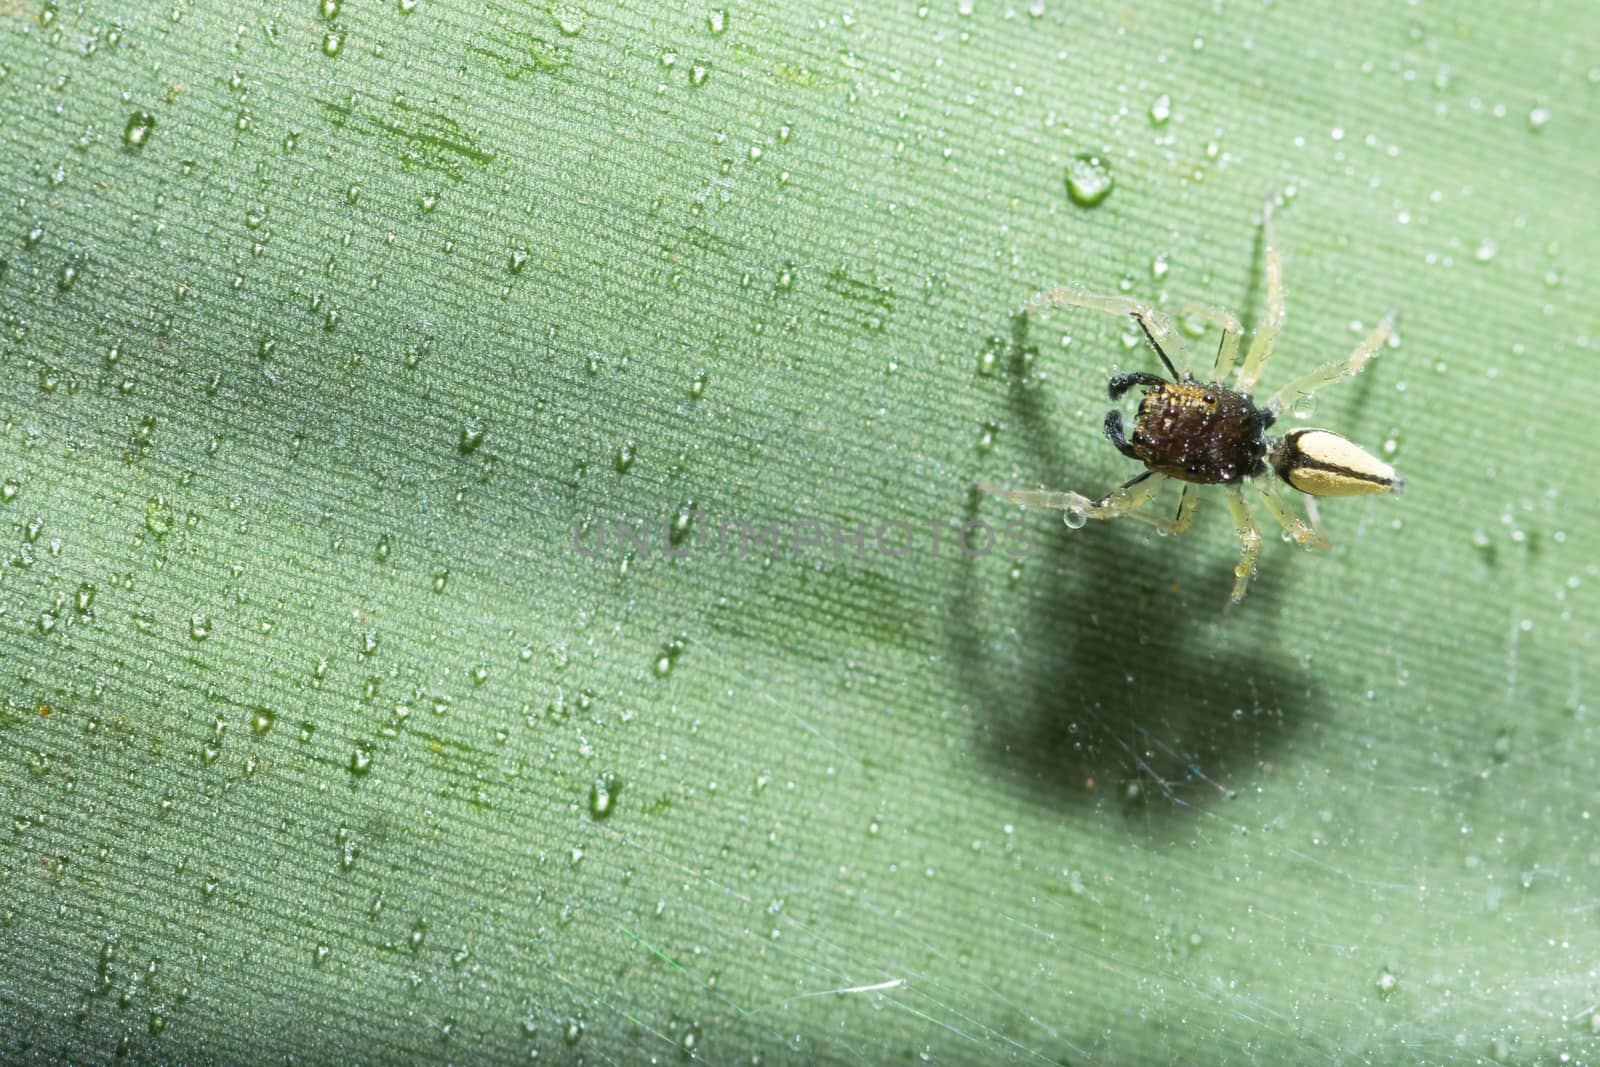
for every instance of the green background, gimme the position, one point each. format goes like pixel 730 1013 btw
pixel 323 324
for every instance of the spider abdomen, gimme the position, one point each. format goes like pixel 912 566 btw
pixel 1199 432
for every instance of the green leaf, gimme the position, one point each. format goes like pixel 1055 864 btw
pixel 338 724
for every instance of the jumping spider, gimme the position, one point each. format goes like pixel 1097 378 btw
pixel 1205 433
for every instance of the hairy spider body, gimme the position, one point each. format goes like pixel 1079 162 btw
pixel 1200 432
pixel 1208 433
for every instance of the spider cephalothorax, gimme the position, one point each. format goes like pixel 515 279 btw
pixel 1200 432
pixel 1207 433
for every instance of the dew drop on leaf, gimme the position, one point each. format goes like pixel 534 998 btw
pixel 137 131
pixel 1088 180
pixel 603 796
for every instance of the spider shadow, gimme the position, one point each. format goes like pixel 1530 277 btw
pixel 1121 677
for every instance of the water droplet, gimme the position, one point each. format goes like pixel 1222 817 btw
pixel 989 355
pixel 347 847
pixel 1088 180
pixel 332 43
pixel 519 259
pixel 1387 983
pixel 689 1042
pixel 569 19
pixel 1501 749
pixel 261 720
pixel 1486 250
pixel 669 655
pixel 1303 407
pixel 603 796
pixel 361 760
pixel 9 491
pixel 137 131
pixel 1538 118
pixel 697 386
pixel 329 9
pixel 682 523
pixel 1075 517
pixel 471 438
pixel 717 21
pixel 626 453
pixel 1161 110
pixel 383 548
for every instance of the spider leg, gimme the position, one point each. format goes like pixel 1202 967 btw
pixel 1123 382
pixel 1113 431
pixel 1180 522
pixel 1266 333
pixel 1187 502
pixel 1126 499
pixel 1162 524
pixel 1249 540
pixel 1158 329
pixel 1228 348
pixel 1303 534
pixel 1307 384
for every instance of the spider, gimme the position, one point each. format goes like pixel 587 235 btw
pixel 1206 433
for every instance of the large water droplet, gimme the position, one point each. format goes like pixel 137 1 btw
pixel 1088 179
pixel 1075 517
pixel 137 131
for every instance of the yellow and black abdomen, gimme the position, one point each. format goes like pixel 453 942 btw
pixel 1322 463
pixel 1200 432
